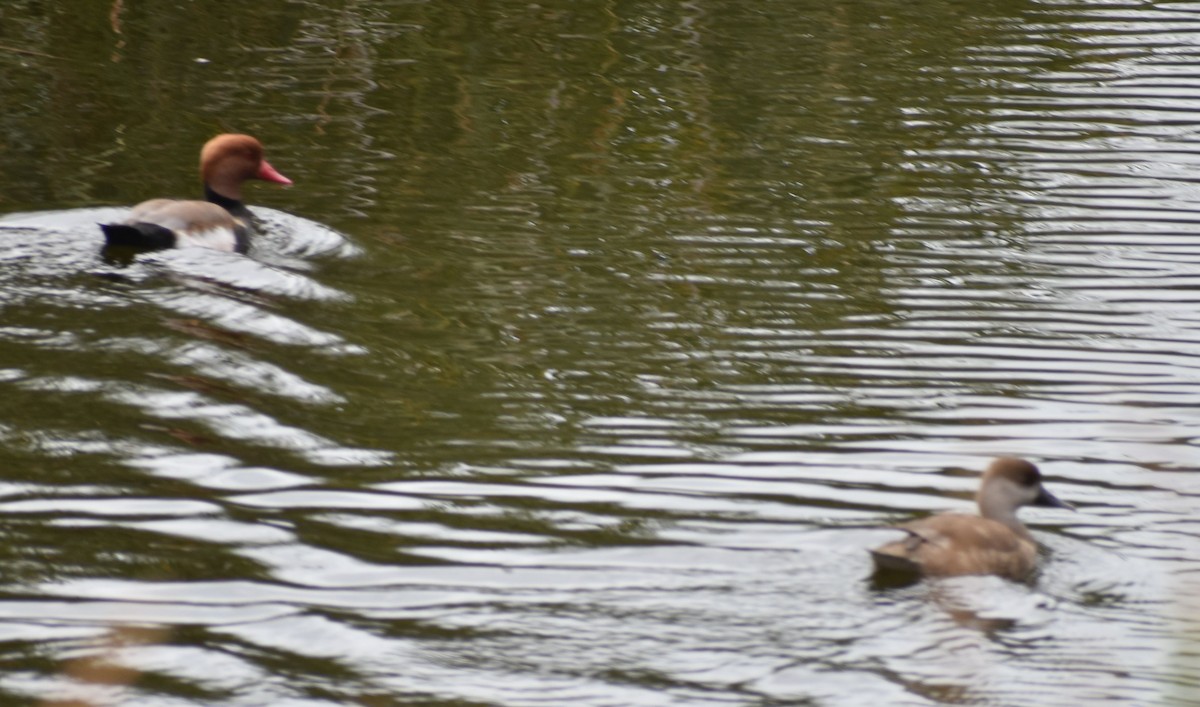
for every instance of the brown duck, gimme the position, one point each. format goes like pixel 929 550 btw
pixel 994 542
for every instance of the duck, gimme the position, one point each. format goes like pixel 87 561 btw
pixel 220 222
pixel 995 542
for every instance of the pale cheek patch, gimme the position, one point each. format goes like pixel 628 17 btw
pixel 214 238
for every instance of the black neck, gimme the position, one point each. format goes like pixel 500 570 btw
pixel 233 206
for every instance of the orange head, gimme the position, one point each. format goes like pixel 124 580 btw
pixel 230 159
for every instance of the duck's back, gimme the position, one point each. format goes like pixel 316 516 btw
pixel 955 544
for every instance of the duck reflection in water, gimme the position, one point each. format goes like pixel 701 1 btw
pixel 992 543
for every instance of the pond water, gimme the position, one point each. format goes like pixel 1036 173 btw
pixel 594 346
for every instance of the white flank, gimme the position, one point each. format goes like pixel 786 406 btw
pixel 214 238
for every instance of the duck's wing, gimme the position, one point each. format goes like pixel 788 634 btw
pixel 182 215
pixel 905 555
pixel 164 223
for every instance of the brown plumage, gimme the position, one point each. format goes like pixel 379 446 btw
pixel 994 542
pixel 222 222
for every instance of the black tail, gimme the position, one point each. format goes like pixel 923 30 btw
pixel 147 236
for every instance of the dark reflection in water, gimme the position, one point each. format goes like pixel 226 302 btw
pixel 648 318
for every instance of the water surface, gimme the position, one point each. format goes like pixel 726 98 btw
pixel 592 349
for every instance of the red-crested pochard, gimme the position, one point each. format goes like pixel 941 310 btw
pixel 222 222
pixel 994 542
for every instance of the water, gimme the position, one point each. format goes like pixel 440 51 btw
pixel 592 349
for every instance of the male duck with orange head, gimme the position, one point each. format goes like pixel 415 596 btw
pixel 221 222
